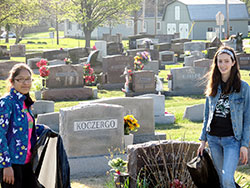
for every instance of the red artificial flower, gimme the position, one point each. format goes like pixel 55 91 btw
pixel 38 64
pixel 91 70
pixel 44 72
pixel 41 63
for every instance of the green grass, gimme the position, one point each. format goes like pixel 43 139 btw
pixel 51 43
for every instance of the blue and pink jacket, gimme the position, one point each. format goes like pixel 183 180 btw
pixel 14 130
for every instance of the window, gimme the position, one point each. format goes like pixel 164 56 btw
pixel 177 12
pixel 210 29
pixel 145 26
pixel 79 26
pixel 129 23
pixel 69 25
pixel 158 25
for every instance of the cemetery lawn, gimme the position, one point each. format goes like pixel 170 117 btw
pixel 38 38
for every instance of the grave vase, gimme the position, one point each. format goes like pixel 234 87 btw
pixel 128 140
pixel 44 83
pixel 170 84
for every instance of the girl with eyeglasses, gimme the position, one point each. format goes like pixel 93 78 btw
pixel 18 132
pixel 226 124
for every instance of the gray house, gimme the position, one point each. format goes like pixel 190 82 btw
pixel 196 19
pixel 72 29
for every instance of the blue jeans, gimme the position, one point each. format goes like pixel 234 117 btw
pixel 225 153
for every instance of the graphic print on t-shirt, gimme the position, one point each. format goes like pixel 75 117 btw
pixel 222 108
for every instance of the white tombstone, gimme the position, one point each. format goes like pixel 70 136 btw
pixel 194 113
pixel 90 132
pixel 91 129
pixel 102 47
pixel 43 106
pixel 142 109
pixel 49 119
pixel 159 109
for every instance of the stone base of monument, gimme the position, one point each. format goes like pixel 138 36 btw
pixel 5 58
pixel 36 71
pixel 166 119
pixel 111 86
pixel 132 94
pixel 91 166
pixel 183 93
pixel 149 137
pixel 63 94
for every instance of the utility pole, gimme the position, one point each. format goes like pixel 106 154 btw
pixel 228 26
pixel 143 16
pixel 156 15
pixel 57 29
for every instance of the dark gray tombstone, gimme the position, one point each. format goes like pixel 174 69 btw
pixel 5 67
pixel 55 54
pixel 4 54
pixel 76 53
pixel 211 52
pixel 114 48
pixel 215 42
pixel 162 46
pixel 158 157
pixel 33 55
pixel 244 60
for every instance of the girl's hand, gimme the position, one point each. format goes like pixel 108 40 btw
pixel 201 148
pixel 244 155
pixel 8 175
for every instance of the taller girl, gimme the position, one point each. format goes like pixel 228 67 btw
pixel 226 124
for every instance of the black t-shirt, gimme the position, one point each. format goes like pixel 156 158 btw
pixel 221 124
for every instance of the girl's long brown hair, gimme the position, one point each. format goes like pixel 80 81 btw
pixel 234 81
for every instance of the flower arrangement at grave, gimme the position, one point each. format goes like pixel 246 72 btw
pixel 88 75
pixel 67 61
pixel 118 165
pixel 141 59
pixel 43 70
pixel 130 124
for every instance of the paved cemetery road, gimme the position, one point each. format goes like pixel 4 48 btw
pixel 93 182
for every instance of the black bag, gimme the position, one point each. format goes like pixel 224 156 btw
pixel 202 171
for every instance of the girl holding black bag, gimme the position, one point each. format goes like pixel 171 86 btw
pixel 226 124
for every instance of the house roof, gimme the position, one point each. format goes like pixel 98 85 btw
pixel 206 2
pixel 206 10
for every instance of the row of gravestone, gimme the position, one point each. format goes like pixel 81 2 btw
pixel 74 54
pixel 16 50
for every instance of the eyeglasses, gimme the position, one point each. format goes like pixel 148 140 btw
pixel 21 80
